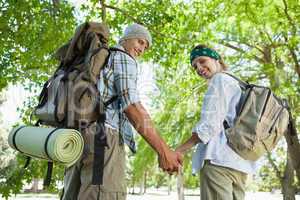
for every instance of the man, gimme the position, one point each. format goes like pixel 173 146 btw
pixel 119 79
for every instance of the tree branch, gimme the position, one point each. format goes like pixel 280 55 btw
pixel 267 54
pixel 140 22
pixel 248 44
pixel 294 56
pixel 277 171
pixel 241 51
pixel 56 3
pixel 264 32
pixel 103 10
pixel 291 49
pixel 289 17
pixel 253 46
pixel 124 13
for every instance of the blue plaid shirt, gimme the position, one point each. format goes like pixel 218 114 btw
pixel 119 78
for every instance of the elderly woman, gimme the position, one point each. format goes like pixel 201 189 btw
pixel 223 172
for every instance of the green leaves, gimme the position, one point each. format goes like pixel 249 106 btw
pixel 30 31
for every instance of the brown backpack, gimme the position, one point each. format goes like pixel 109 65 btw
pixel 70 98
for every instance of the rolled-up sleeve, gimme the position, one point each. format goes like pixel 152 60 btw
pixel 215 106
pixel 125 77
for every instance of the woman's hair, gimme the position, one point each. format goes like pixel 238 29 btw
pixel 221 61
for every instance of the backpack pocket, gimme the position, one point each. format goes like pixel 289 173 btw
pixel 275 133
pixel 272 110
pixel 84 99
pixel 47 110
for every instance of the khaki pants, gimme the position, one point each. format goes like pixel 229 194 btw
pixel 221 183
pixel 78 178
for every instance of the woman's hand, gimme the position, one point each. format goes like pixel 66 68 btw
pixel 187 145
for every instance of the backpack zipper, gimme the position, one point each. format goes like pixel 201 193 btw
pixel 265 105
pixel 245 100
pixel 276 119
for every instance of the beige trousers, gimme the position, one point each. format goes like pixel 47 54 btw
pixel 221 183
pixel 78 178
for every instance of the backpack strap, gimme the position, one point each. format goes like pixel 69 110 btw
pixel 110 101
pixel 14 138
pixel 100 143
pixel 244 85
pixel 93 52
pixel 225 124
pixel 111 49
pixel 47 179
pixel 100 138
pixel 117 49
pixel 48 176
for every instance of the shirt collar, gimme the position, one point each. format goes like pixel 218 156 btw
pixel 120 47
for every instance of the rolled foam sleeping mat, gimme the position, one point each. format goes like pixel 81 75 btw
pixel 60 145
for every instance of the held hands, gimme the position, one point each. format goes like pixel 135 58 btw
pixel 170 161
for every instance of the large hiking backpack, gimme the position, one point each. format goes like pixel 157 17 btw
pixel 262 119
pixel 71 99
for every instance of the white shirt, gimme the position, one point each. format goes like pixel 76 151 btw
pixel 219 103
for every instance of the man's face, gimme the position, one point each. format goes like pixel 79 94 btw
pixel 135 46
pixel 206 67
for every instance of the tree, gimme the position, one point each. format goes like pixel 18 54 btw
pixel 6 154
pixel 30 31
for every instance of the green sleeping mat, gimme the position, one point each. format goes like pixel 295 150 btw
pixel 60 145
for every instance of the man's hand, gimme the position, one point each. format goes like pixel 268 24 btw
pixel 138 116
pixel 170 161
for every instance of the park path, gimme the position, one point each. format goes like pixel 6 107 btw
pixel 154 195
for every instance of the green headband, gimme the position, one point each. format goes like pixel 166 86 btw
pixel 200 51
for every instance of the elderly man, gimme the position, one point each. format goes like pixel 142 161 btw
pixel 119 79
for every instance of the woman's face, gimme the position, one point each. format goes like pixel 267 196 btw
pixel 206 66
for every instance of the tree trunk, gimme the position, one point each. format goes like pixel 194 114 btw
pixel 103 10
pixel 294 149
pixel 56 3
pixel 145 182
pixel 288 189
pixel 286 180
pixel 142 186
pixel 180 185
pixel 35 185
pixel 55 6
pixel 169 185
pixel 133 184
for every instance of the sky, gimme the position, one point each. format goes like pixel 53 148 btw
pixel 15 96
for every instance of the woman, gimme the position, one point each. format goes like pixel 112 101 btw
pixel 223 172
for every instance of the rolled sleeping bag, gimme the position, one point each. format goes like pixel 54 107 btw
pixel 60 145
